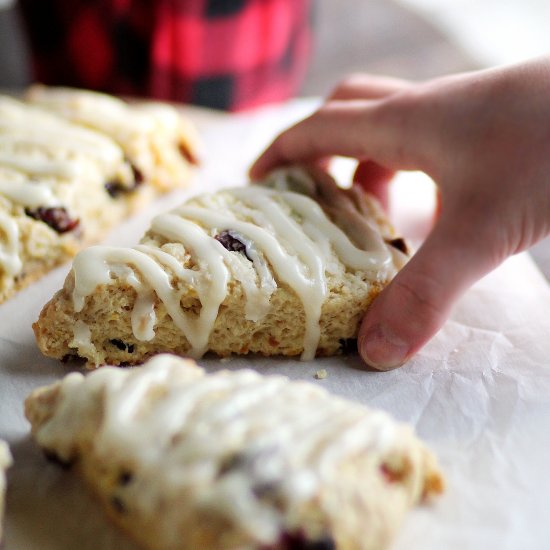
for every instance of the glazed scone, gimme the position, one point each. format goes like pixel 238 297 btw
pixel 53 198
pixel 62 187
pixel 157 140
pixel 5 463
pixel 253 269
pixel 233 460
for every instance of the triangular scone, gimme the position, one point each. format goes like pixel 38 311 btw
pixel 155 138
pixel 255 269
pixel 183 460
pixel 62 187
pixel 5 462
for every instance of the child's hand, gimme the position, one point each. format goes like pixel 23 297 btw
pixel 484 137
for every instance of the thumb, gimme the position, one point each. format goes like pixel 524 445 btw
pixel 420 298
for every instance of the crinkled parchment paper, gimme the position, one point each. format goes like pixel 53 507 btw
pixel 478 394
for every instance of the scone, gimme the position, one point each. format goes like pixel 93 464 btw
pixel 5 463
pixel 257 269
pixel 156 139
pixel 233 460
pixel 62 187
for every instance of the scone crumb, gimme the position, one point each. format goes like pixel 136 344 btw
pixel 321 374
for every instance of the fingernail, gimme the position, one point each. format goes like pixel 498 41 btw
pixel 381 349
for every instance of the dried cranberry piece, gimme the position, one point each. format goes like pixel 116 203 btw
pixel 139 178
pixel 186 153
pixel 230 242
pixel 237 461
pixel 74 359
pixel 298 541
pixel 57 218
pixel 125 478
pixel 400 244
pixel 122 346
pixel 115 188
pixel 348 345
pixel 53 457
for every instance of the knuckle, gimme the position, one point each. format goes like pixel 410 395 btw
pixel 351 81
pixel 403 114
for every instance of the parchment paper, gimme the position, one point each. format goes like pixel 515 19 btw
pixel 478 394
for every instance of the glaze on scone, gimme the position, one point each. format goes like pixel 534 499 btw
pixel 183 460
pixel 62 187
pixel 254 269
pixel 158 141
pixel 5 463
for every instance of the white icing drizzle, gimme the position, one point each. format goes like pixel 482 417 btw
pixel 24 125
pixel 319 224
pixel 97 265
pixel 10 263
pixel 74 141
pixel 82 337
pixel 144 316
pixel 258 293
pixel 306 279
pixel 220 436
pixel 94 109
pixel 290 239
pixel 28 194
pixel 40 166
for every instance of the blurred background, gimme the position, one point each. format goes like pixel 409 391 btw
pixel 408 38
pixel 423 38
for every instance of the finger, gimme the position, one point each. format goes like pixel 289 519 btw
pixel 437 211
pixel 365 86
pixel 419 300
pixel 357 129
pixel 374 178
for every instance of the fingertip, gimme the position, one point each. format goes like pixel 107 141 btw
pixel 272 157
pixel 419 300
pixel 381 349
pixel 260 167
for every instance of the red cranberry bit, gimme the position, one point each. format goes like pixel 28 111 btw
pixel 230 242
pixel 390 475
pixel 125 478
pixel 138 175
pixel 57 218
pixel 187 154
pixel 298 541
pixel 116 188
pixel 237 461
